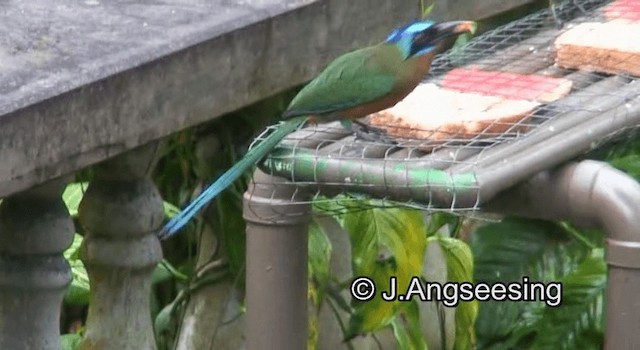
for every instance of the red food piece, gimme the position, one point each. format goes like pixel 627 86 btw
pixel 514 86
pixel 623 9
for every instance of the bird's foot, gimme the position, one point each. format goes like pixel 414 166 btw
pixel 366 132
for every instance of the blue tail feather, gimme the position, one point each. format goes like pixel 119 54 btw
pixel 253 156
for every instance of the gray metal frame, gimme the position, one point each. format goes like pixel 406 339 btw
pixel 589 194
pixel 593 194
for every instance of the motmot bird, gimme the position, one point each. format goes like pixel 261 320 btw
pixel 354 85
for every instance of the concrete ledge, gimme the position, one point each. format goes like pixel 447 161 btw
pixel 479 9
pixel 81 81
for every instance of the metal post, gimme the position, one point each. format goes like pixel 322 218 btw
pixel 276 298
pixel 592 193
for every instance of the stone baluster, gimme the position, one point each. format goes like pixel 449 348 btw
pixel 35 229
pixel 121 211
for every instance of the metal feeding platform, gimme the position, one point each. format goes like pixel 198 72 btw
pixel 525 162
pixel 460 172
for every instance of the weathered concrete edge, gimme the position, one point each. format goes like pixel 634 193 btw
pixel 456 9
pixel 102 119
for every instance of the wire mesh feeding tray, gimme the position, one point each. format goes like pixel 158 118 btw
pixel 510 103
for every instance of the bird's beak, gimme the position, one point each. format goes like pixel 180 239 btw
pixel 447 29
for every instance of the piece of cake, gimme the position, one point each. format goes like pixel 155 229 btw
pixel 611 47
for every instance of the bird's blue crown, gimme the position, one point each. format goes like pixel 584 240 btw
pixel 403 37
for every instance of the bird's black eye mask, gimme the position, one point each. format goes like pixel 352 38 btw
pixel 425 39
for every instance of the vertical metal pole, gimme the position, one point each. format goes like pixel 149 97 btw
pixel 592 193
pixel 276 291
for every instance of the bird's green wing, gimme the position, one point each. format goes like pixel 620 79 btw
pixel 352 79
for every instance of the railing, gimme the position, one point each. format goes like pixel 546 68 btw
pixel 99 83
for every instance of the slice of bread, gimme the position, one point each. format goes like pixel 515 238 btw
pixel 611 47
pixel 470 104
pixel 431 115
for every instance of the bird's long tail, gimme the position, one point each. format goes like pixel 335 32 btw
pixel 253 156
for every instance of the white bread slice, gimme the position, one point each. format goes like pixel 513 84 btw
pixel 611 47
pixel 433 115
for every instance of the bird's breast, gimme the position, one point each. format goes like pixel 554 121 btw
pixel 410 73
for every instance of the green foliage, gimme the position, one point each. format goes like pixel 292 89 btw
pixel 437 221
pixel 385 243
pixel 319 275
pixel 425 9
pixel 407 328
pixel 579 318
pixel 319 259
pixel 163 320
pixel 230 228
pixel 543 251
pixel 460 269
pixel 70 341
pixel 78 291
pixel 629 163
pixel 72 196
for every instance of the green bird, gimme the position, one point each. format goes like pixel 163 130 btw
pixel 354 85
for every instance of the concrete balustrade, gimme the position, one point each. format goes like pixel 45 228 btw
pixel 35 229
pixel 121 212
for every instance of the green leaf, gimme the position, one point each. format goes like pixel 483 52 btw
pixel 505 251
pixel 70 341
pixel 170 210
pixel 460 269
pixel 72 196
pixel 439 220
pixel 426 9
pixel 78 291
pixel 163 320
pixel 580 314
pixel 319 277
pixel 338 206
pixel 319 258
pixel 231 229
pixel 407 329
pixel 629 163
pixel 514 248
pixel 385 243
pixel 164 271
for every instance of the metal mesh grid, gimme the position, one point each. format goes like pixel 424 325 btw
pixel 440 169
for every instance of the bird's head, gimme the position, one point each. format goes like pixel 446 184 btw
pixel 424 37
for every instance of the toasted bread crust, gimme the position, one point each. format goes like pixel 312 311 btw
pixel 431 115
pixel 610 47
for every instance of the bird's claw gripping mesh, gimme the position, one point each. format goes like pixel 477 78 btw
pixel 451 169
